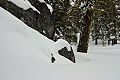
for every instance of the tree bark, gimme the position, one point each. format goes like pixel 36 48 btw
pixel 96 41
pixel 84 38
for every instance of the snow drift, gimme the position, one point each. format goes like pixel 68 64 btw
pixel 25 54
pixel 18 41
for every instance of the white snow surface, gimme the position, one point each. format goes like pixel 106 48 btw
pixel 21 35
pixel 25 54
pixel 41 1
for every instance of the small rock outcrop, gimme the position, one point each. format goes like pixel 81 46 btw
pixel 53 58
pixel 67 54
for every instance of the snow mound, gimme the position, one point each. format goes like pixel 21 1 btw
pixel 18 41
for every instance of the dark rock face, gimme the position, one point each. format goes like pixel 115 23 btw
pixel 42 22
pixel 52 59
pixel 67 54
pixel 47 17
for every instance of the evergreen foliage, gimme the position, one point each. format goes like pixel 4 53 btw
pixel 100 18
pixel 106 24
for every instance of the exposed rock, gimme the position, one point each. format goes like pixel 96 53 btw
pixel 42 22
pixel 67 54
pixel 47 17
pixel 52 59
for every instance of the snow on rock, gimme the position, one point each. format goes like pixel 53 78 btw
pixel 60 43
pixel 26 41
pixel 48 5
pixel 25 4
pixel 25 55
pixel 42 1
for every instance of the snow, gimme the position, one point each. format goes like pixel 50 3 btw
pixel 112 37
pixel 32 38
pixel 25 4
pixel 72 2
pixel 25 55
pixel 49 7
pixel 83 4
pixel 42 1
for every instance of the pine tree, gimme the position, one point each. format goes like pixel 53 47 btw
pixel 105 25
pixel 67 17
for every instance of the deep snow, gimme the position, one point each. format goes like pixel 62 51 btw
pixel 25 55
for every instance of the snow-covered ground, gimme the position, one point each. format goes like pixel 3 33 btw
pixel 26 55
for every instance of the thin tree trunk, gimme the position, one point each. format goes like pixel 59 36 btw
pixel 96 41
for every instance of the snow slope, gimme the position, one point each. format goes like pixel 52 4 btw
pixel 25 55
pixel 15 34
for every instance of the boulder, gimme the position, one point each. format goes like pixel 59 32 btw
pixel 67 54
pixel 53 59
pixel 42 22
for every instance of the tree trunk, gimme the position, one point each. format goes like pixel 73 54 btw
pixel 84 38
pixel 109 42
pixel 114 41
pixel 96 41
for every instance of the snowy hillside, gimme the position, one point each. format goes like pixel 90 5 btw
pixel 26 55
pixel 19 38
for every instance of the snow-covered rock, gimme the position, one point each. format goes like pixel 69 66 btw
pixel 25 4
pixel 35 13
pixel 24 56
pixel 14 33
